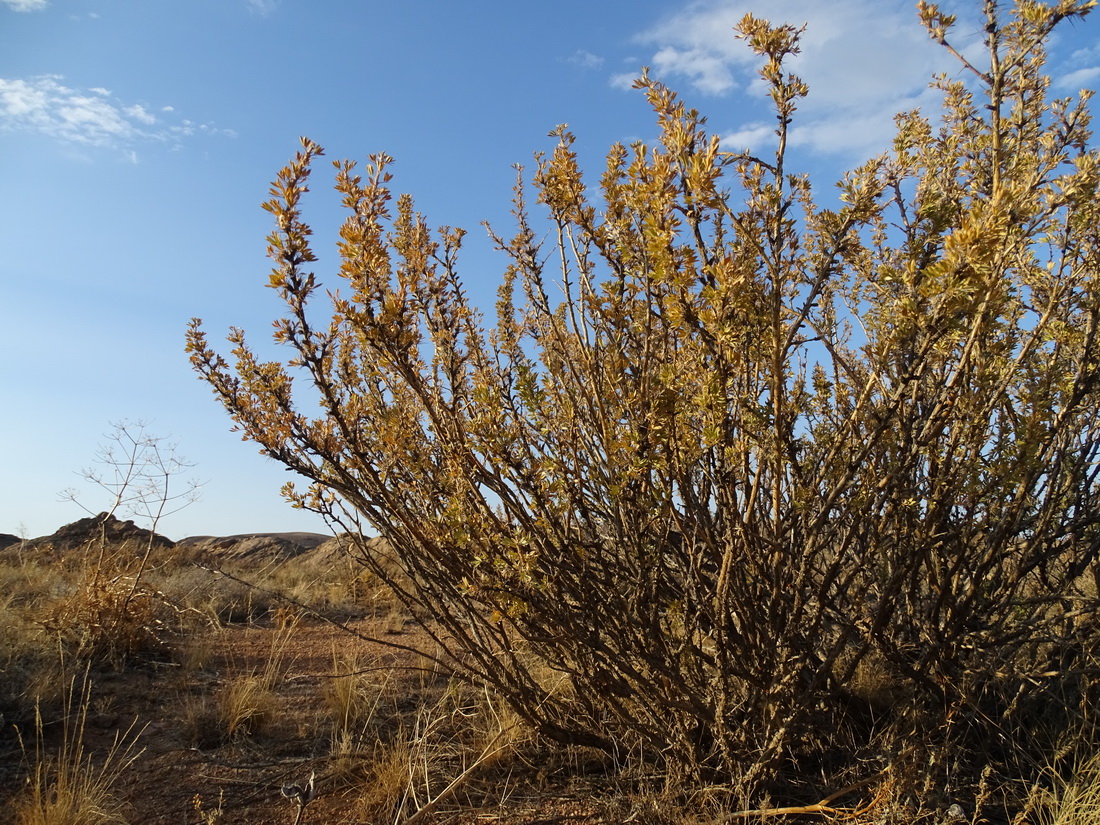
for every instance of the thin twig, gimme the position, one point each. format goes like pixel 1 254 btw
pixel 824 807
pixel 458 781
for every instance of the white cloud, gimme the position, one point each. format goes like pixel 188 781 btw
pixel 138 113
pixel 90 118
pixel 26 5
pixel 1079 79
pixel 1079 71
pixel 709 72
pixel 623 80
pixel 850 48
pixel 1086 55
pixel 751 136
pixel 863 60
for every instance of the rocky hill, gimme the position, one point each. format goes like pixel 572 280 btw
pixel 298 548
pixel 89 531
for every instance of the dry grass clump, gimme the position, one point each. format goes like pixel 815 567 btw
pixel 26 579
pixel 459 748
pixel 358 693
pixel 244 704
pixel 208 815
pixel 25 657
pixel 382 794
pixel 1077 801
pixel 247 704
pixel 66 786
pixel 361 708
pixel 33 660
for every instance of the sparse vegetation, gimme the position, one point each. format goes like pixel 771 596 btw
pixel 247 704
pixel 387 731
pixel 744 508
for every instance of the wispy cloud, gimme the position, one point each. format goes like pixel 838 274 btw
pixel 1078 79
pixel 26 5
pixel 93 117
pixel 709 71
pixel 262 7
pixel 623 80
pixel 750 136
pixel 585 60
pixel 1081 70
pixel 864 60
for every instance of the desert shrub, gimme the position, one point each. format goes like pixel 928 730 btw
pixel 731 464
pixel 65 612
pixel 106 610
pixel 96 602
pixel 109 617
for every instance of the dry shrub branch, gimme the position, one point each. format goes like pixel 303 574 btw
pixel 732 466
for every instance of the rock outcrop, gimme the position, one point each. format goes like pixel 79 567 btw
pixel 89 531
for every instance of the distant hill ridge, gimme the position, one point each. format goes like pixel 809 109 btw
pixel 244 545
pixel 88 531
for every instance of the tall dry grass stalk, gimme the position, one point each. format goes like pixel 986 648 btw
pixel 71 787
pixel 438 754
pixel 358 688
pixel 246 704
pixel 1077 801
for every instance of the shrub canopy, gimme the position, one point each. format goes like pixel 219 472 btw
pixel 734 481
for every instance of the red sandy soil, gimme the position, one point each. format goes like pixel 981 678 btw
pixel 244 775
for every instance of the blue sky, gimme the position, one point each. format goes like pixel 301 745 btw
pixel 138 139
